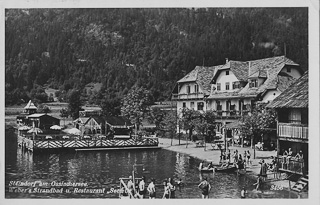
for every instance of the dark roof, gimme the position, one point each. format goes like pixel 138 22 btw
pixel 202 76
pixel 118 121
pixel 238 68
pixel 269 68
pixel 112 120
pixel 296 96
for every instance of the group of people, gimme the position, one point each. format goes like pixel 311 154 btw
pixel 288 154
pixel 236 159
pixel 141 190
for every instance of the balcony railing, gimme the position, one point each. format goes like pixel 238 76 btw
pixel 295 131
pixel 229 113
pixel 187 96
pixel 292 165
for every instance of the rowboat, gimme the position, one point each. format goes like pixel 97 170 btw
pixel 207 170
pixel 226 169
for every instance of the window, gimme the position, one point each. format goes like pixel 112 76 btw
pixel 219 107
pixel 218 86
pixel 196 88
pixel 228 105
pixel 227 86
pixel 200 105
pixel 295 116
pixel 188 89
pixel 289 70
pixel 235 85
pixel 227 72
pixel 253 84
pixel 184 105
pixel 192 105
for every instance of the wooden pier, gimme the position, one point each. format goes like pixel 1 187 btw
pixel 39 143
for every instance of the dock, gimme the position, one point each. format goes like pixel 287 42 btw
pixel 42 143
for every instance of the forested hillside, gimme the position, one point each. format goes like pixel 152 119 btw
pixel 69 48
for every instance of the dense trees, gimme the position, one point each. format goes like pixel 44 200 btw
pixel 74 105
pixel 135 105
pixel 69 48
pixel 260 120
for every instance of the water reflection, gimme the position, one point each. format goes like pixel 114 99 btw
pixel 104 168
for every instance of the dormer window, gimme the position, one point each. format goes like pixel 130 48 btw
pixel 227 72
pixel 235 85
pixel 288 70
pixel 253 83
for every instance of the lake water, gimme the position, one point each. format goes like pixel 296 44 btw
pixel 102 169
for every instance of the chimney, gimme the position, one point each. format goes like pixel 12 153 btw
pixel 249 68
pixel 227 60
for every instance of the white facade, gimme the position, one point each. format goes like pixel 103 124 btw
pixel 225 78
pixel 270 95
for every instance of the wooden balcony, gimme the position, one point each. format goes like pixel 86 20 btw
pixel 187 96
pixel 291 165
pixel 293 131
pixel 228 114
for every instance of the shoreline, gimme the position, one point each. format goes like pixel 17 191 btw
pixel 213 156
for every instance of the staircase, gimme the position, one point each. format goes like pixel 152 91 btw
pixel 301 184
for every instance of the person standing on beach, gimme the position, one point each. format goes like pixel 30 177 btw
pixel 263 170
pixel 248 157
pixel 152 189
pixel 130 186
pixel 142 188
pixel 205 188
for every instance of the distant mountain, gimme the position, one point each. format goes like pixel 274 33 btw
pixel 69 48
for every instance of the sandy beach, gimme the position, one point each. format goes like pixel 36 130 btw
pixel 208 154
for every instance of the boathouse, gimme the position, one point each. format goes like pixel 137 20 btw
pixel 293 130
pixel 42 121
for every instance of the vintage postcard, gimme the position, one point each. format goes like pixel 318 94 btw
pixel 137 100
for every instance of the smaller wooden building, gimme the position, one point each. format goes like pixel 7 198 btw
pixel 42 121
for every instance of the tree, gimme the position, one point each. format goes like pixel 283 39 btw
pixel 135 105
pixel 189 120
pixel 43 109
pixel 258 121
pixel 204 123
pixel 169 123
pixel 64 114
pixel 156 116
pixel 74 103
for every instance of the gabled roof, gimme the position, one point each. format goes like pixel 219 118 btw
pixel 269 68
pixel 263 67
pixel 296 96
pixel 82 119
pixel 112 120
pixel 30 106
pixel 202 76
pixel 36 115
pixel 238 68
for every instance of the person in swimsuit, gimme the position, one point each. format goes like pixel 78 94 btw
pixel 130 186
pixel 248 157
pixel 166 194
pixel 152 189
pixel 142 188
pixel 205 188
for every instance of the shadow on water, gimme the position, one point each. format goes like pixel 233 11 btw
pixel 102 169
